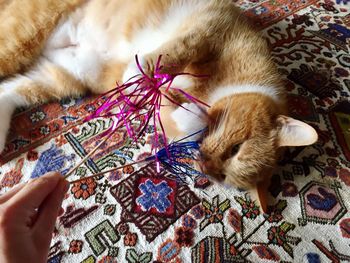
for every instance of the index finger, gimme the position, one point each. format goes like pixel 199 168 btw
pixel 34 192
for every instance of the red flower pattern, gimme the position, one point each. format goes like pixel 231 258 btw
pixel 84 189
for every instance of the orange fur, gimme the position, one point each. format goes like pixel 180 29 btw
pixel 111 73
pixel 63 85
pixel 27 25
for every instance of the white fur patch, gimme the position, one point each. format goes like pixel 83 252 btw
pixel 84 63
pixel 191 120
pixel 149 38
pixel 78 47
pixel 12 84
pixel 123 50
pixel 63 36
pixel 132 71
pixel 182 82
pixel 226 91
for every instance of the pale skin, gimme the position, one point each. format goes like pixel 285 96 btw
pixel 28 213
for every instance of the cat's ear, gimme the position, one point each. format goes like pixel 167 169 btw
pixel 295 133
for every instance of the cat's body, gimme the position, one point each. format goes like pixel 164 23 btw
pixel 95 46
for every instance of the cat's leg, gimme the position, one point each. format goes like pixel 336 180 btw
pixel 180 122
pixel 189 118
pixel 176 55
pixel 183 119
pixel 45 82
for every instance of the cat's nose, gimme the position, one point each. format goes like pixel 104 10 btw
pixel 204 157
pixel 212 169
pixel 209 167
pixel 207 164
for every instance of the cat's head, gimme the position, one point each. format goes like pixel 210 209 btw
pixel 245 135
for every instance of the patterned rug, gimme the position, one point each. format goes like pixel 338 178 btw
pixel 117 219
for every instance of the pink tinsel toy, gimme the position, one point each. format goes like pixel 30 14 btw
pixel 141 98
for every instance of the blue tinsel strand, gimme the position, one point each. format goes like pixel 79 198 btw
pixel 173 156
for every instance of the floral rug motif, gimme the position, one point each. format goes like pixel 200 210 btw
pixel 133 216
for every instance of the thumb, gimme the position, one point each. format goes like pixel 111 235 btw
pixel 34 192
pixel 48 212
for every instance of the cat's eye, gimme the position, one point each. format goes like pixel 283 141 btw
pixel 235 149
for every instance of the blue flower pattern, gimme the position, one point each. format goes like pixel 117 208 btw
pixel 154 195
pixel 52 160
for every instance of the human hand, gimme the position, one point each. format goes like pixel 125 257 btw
pixel 28 214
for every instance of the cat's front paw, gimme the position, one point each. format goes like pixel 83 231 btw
pixel 133 70
pixel 189 118
pixel 166 63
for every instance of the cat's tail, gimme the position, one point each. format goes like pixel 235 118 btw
pixel 24 28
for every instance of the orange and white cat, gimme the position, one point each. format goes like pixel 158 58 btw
pixel 93 46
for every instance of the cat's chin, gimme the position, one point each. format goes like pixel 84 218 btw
pixel 217 178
